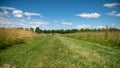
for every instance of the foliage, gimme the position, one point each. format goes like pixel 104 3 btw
pixel 38 30
pixel 67 31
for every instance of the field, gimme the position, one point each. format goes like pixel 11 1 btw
pixel 63 51
pixel 107 38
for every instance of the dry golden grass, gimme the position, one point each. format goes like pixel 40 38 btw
pixel 11 36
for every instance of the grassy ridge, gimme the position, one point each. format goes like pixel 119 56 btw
pixel 104 38
pixel 58 51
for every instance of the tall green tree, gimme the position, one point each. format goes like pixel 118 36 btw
pixel 38 30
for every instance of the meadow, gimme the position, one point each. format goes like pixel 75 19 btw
pixel 109 38
pixel 75 50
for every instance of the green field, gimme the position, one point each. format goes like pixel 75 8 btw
pixel 60 51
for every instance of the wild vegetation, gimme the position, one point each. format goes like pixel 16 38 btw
pixel 105 38
pixel 81 49
pixel 13 36
pixel 58 51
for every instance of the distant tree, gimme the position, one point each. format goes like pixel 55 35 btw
pixel 32 29
pixel 57 31
pixel 74 30
pixel 26 29
pixel 113 29
pixel 48 31
pixel 21 28
pixel 53 31
pixel 44 31
pixel 81 30
pixel 62 31
pixel 67 31
pixel 38 30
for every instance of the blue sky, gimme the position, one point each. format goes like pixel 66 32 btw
pixel 60 14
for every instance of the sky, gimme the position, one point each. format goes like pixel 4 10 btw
pixel 60 14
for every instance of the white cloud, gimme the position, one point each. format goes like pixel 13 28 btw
pixel 28 18
pixel 118 14
pixel 9 22
pixel 12 22
pixel 100 27
pixel 9 8
pixel 84 26
pixel 110 5
pixel 89 15
pixel 57 25
pixel 18 18
pixel 114 13
pixel 56 21
pixel 4 20
pixel 66 23
pixel 45 28
pixel 32 14
pixel 17 13
pixel 38 23
pixel 4 13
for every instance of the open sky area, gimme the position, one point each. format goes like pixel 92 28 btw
pixel 60 14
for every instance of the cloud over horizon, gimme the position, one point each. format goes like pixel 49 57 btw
pixel 66 23
pixel 19 13
pixel 7 8
pixel 100 27
pixel 31 14
pixel 83 26
pixel 18 18
pixel 114 13
pixel 111 5
pixel 89 15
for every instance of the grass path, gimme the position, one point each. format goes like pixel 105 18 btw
pixel 59 51
pixel 94 55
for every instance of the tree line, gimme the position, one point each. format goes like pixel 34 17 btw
pixel 62 31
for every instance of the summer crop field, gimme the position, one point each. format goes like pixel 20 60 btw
pixel 60 51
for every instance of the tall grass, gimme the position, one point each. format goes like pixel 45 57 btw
pixel 108 38
pixel 12 36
